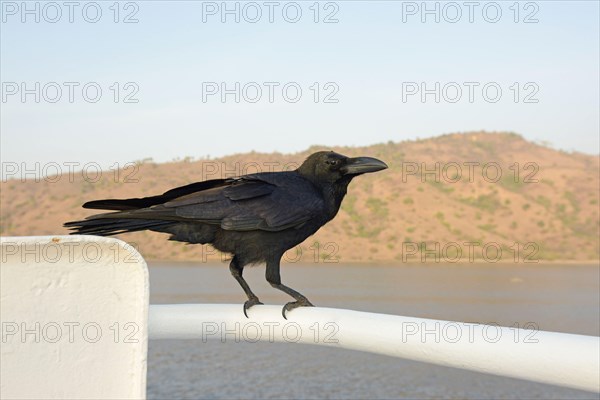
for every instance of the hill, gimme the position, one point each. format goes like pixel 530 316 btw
pixel 480 196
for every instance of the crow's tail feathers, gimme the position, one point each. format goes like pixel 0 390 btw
pixel 133 215
pixel 112 226
pixel 128 217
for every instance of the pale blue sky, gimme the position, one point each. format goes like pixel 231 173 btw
pixel 368 54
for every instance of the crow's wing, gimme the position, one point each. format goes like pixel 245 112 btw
pixel 255 202
pixel 266 201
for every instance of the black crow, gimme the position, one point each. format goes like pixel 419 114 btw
pixel 256 218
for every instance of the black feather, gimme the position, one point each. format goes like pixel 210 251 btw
pixel 107 227
pixel 137 203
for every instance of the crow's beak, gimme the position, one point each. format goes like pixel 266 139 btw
pixel 362 165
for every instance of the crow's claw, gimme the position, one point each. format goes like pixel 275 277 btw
pixel 295 304
pixel 249 303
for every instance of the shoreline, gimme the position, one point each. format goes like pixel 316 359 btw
pixel 393 263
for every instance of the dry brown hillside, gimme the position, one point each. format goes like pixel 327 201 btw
pixel 545 204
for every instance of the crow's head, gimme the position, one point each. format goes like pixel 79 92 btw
pixel 330 167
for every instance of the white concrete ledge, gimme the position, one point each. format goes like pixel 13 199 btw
pixel 73 313
pixel 554 358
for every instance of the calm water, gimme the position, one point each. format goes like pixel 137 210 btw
pixel 563 298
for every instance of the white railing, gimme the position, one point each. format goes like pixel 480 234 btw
pixel 86 298
pixel 548 357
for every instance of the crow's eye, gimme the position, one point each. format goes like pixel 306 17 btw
pixel 331 162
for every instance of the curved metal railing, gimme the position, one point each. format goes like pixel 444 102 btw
pixel 556 358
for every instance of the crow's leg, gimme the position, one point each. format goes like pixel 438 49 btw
pixel 274 278
pixel 236 269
